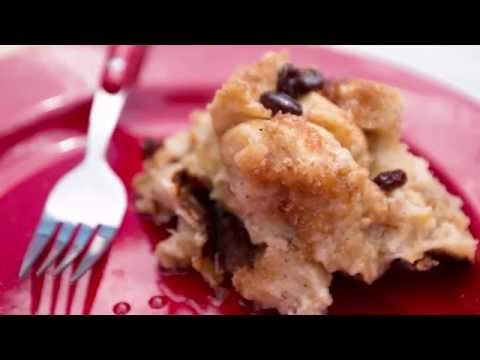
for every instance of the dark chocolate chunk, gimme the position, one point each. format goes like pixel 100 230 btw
pixel 309 80
pixel 287 78
pixel 281 102
pixel 227 237
pixel 233 242
pixel 295 82
pixel 391 180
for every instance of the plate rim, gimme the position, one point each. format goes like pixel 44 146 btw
pixel 409 73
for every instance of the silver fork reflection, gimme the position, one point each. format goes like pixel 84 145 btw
pixel 91 197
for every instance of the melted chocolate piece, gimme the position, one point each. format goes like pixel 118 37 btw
pixel 227 237
pixel 233 242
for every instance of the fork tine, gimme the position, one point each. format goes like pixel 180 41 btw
pixel 81 240
pixel 61 242
pixel 99 245
pixel 43 234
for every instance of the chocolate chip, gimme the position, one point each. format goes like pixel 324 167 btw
pixel 296 82
pixel 233 242
pixel 227 238
pixel 193 196
pixel 309 80
pixel 150 146
pixel 391 180
pixel 287 78
pixel 277 101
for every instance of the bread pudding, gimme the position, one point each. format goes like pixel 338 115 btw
pixel 287 178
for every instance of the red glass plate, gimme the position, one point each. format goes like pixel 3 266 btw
pixel 45 95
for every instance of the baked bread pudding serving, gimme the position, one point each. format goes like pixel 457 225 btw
pixel 288 178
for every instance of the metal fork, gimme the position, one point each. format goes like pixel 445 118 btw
pixel 91 198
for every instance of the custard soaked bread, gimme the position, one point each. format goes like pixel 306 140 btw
pixel 288 178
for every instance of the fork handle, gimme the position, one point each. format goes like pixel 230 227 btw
pixel 122 66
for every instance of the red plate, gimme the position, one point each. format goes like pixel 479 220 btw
pixel 44 103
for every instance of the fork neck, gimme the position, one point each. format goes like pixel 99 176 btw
pixel 104 117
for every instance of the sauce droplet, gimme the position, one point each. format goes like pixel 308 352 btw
pixel 122 308
pixel 157 302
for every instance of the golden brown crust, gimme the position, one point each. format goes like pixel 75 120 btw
pixel 321 111
pixel 374 107
pixel 292 152
pixel 238 100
